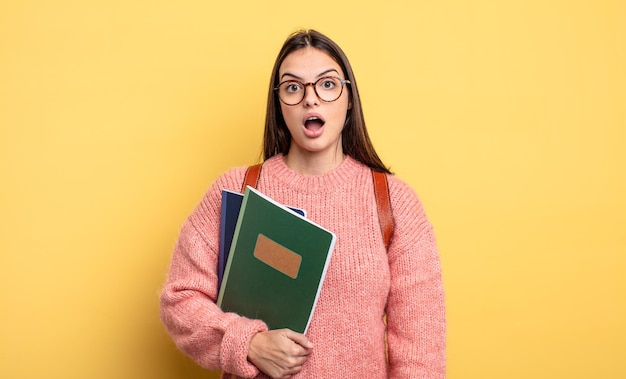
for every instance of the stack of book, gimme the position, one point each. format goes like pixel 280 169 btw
pixel 272 261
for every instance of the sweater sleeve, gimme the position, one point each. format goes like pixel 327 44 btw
pixel 416 328
pixel 213 339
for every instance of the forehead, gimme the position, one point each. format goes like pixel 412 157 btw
pixel 308 62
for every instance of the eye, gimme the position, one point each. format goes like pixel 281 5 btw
pixel 292 87
pixel 328 83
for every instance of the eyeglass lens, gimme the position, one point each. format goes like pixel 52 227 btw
pixel 328 89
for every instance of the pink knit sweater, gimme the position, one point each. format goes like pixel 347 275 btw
pixel 363 282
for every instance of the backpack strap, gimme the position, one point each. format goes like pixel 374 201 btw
pixel 252 177
pixel 383 202
pixel 381 192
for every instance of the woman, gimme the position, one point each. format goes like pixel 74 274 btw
pixel 380 312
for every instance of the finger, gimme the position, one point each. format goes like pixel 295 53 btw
pixel 295 363
pixel 298 338
pixel 295 370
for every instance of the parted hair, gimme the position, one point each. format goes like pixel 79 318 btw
pixel 355 139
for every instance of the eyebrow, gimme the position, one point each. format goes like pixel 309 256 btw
pixel 299 78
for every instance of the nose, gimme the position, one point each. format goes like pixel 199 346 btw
pixel 310 96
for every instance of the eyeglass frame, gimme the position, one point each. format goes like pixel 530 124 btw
pixel 312 84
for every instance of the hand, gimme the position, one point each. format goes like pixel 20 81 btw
pixel 279 353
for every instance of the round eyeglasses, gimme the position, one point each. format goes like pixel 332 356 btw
pixel 327 89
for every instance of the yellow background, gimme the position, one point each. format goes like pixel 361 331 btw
pixel 507 117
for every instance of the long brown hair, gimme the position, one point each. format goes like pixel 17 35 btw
pixel 355 139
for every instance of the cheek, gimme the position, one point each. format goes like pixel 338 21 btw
pixel 341 112
pixel 286 113
pixel 290 117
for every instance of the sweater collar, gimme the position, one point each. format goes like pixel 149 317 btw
pixel 341 176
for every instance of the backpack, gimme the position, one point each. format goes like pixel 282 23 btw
pixel 381 192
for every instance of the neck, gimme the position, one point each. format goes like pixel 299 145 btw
pixel 312 164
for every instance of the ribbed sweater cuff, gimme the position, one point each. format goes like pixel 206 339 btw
pixel 234 352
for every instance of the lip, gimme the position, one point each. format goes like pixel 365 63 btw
pixel 314 132
pixel 311 115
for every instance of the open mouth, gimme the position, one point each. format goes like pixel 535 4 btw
pixel 314 123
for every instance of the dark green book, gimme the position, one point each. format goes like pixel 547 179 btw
pixel 276 265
